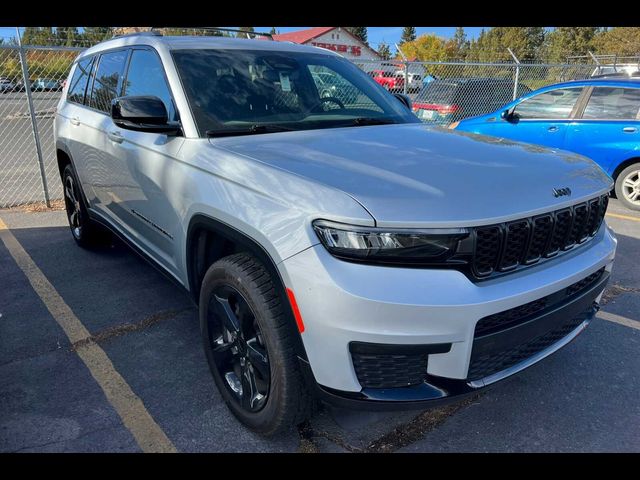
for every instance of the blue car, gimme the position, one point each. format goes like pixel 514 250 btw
pixel 598 118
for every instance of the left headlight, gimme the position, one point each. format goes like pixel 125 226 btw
pixel 391 246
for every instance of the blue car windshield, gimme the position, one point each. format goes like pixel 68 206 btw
pixel 263 91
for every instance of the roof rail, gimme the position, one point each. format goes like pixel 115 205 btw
pixel 217 29
pixel 151 33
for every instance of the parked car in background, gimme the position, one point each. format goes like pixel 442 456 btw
pixel 6 85
pixel 598 118
pixel 388 79
pixel 447 100
pixel 45 85
pixel 625 68
pixel 414 81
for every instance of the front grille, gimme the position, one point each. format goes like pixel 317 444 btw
pixel 506 246
pixel 517 315
pixel 390 370
pixel 486 365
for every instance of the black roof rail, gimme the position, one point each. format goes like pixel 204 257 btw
pixel 218 29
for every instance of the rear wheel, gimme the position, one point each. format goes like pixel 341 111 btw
pixel 628 186
pixel 249 345
pixel 85 231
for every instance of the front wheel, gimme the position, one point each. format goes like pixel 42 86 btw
pixel 628 186
pixel 249 344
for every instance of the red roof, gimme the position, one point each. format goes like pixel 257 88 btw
pixel 302 36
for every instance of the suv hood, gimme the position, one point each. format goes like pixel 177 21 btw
pixel 413 175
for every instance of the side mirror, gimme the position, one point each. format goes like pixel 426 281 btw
pixel 507 115
pixel 404 99
pixel 142 114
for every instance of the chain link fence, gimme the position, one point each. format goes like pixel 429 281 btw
pixel 31 80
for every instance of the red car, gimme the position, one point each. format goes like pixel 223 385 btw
pixel 388 79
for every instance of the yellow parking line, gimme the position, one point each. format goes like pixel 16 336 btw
pixel 624 217
pixel 132 411
pixel 612 317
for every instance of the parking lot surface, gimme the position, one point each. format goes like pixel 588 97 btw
pixel 152 386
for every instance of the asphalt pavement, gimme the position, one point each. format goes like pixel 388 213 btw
pixel 583 398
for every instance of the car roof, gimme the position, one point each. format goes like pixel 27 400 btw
pixel 201 42
pixel 633 82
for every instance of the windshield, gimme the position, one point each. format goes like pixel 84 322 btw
pixel 247 91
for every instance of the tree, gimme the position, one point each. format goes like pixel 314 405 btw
pixel 273 31
pixel 360 32
pixel 525 42
pixel 618 41
pixel 408 35
pixel 564 42
pixel 38 36
pixel 426 47
pixel 244 29
pixel 67 36
pixel 92 35
pixel 460 44
pixel 384 51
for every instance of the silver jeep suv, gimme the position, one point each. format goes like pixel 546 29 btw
pixel 338 249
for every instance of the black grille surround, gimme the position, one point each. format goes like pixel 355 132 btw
pixel 509 246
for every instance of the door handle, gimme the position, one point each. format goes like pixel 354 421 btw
pixel 629 129
pixel 75 121
pixel 115 136
pixel 553 128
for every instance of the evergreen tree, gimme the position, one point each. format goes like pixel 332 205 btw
pixel 564 42
pixel 93 35
pixel 408 35
pixel 273 31
pixel 460 44
pixel 360 32
pixel 384 51
pixel 67 36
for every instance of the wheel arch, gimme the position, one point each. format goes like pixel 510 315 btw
pixel 209 239
pixel 622 165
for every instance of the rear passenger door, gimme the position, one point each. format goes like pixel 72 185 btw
pixel 146 193
pixel 608 130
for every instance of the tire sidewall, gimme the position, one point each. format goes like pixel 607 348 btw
pixel 618 187
pixel 226 273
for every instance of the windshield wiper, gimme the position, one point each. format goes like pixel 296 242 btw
pixel 252 130
pixel 363 121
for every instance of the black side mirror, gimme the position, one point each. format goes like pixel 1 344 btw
pixel 143 114
pixel 406 101
pixel 507 115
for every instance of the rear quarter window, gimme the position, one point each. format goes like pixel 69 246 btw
pixel 78 84
pixel 613 103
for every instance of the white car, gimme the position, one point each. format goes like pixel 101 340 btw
pixel 626 68
pixel 344 253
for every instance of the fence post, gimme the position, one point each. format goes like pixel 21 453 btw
pixel 32 113
pixel 517 79
pixel 595 59
pixel 406 77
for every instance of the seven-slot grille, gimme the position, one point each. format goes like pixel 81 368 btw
pixel 505 247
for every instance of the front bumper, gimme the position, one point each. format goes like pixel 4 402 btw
pixel 344 302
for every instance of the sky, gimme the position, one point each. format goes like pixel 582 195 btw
pixel 376 35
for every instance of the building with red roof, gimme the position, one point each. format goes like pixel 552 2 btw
pixel 338 39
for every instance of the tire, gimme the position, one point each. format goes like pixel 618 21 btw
pixel 250 293
pixel 86 232
pixel 628 186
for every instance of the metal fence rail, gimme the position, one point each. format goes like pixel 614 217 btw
pixel 32 76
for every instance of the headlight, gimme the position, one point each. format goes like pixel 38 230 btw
pixel 392 246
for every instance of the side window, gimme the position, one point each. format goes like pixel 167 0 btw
pixel 78 84
pixel 554 104
pixel 146 77
pixel 613 103
pixel 107 80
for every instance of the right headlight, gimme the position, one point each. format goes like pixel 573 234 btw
pixel 392 246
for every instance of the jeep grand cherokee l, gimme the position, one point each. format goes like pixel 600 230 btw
pixel 345 253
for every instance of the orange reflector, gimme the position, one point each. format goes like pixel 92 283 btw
pixel 296 310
